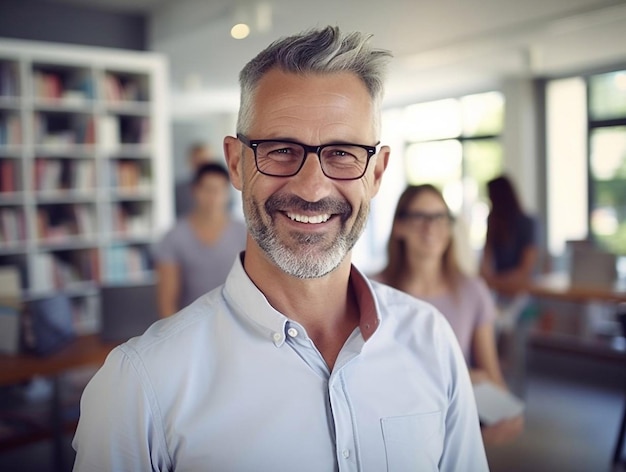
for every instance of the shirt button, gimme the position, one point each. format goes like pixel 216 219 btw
pixel 277 337
pixel 293 332
pixel 345 453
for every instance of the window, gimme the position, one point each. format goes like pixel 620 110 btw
pixel 566 171
pixel 586 119
pixel 454 144
pixel 607 160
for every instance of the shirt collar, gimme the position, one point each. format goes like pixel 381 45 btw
pixel 249 303
pixel 368 306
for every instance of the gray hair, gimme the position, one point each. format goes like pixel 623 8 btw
pixel 324 50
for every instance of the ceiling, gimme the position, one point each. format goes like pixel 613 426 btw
pixel 440 47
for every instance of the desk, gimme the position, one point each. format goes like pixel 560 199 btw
pixel 557 286
pixel 84 351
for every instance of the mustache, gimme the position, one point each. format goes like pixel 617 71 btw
pixel 293 203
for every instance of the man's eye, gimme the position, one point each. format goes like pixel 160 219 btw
pixel 282 151
pixel 337 152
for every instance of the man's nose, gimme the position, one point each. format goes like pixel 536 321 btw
pixel 311 182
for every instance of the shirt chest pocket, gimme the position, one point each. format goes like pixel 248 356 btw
pixel 413 442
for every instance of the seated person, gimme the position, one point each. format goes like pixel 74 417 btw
pixel 423 263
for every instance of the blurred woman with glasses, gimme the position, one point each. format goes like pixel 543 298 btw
pixel 422 262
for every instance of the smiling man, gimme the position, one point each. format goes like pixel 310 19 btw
pixel 298 362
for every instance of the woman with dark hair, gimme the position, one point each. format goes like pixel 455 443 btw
pixel 195 255
pixel 510 251
pixel 422 261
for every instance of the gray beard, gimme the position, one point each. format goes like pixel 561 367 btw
pixel 310 255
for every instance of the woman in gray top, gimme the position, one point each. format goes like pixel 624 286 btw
pixel 423 262
pixel 196 255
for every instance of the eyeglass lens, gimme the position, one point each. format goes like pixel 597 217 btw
pixel 343 161
pixel 420 218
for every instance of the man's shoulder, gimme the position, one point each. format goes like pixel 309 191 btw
pixel 394 304
pixel 411 321
pixel 189 329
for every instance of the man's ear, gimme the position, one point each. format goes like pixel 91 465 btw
pixel 382 159
pixel 232 153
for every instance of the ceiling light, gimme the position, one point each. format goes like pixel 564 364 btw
pixel 240 31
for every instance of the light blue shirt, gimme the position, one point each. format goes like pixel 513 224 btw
pixel 231 384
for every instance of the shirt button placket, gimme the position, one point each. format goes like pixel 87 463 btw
pixel 346 435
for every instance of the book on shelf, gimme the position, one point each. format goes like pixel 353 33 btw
pixel 12 225
pixel 64 131
pixel 128 176
pixel 108 132
pixel 46 135
pixel 51 227
pixel 70 87
pixel 10 130
pixel 63 174
pixel 53 272
pixel 132 220
pixel 82 175
pixel 7 176
pixel 85 220
pixel 124 89
pixel 126 263
pixel 8 80
pixel 114 131
pixel 64 274
pixel 60 223
pixel 86 131
pixel 46 85
pixel 135 130
pixel 48 175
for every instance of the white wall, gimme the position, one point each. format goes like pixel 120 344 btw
pixel 520 140
pixel 209 129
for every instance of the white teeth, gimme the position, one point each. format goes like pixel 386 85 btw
pixel 309 219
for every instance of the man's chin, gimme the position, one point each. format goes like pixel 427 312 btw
pixel 306 262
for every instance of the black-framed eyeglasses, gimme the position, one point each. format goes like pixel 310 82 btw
pixel 283 158
pixel 422 218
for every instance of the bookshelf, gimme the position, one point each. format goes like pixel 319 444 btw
pixel 84 165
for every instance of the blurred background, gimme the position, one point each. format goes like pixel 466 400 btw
pixel 477 88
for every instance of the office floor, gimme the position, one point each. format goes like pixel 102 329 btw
pixel 573 411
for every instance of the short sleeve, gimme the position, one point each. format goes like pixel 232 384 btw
pixel 527 233
pixel 166 250
pixel 485 304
